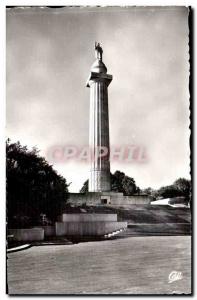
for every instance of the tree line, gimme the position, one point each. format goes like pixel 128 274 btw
pixel 34 188
pixel 127 185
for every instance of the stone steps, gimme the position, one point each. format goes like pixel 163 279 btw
pixel 168 229
pixel 152 214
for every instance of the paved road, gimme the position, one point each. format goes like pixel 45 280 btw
pixel 134 265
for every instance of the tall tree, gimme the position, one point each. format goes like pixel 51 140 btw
pixel 33 186
pixel 184 186
pixel 84 188
pixel 169 191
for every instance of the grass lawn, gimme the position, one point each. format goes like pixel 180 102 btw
pixel 134 265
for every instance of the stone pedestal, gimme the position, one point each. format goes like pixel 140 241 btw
pixel 88 224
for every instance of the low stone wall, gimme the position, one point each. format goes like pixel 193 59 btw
pixel 88 228
pixel 88 217
pixel 112 199
pixel 27 235
pixel 128 200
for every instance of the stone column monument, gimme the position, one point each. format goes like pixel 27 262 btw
pixel 98 81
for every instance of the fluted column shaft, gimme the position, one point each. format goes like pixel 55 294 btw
pixel 99 178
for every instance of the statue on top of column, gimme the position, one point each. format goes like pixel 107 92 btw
pixel 98 51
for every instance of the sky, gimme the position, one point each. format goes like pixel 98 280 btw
pixel 49 53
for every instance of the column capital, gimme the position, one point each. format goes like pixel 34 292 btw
pixel 93 77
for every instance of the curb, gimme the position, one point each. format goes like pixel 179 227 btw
pixel 20 248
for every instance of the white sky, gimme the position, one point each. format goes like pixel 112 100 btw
pixel 49 55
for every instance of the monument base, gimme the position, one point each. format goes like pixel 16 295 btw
pixel 74 225
pixel 88 224
pixel 98 228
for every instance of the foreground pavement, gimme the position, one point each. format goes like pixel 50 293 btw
pixel 134 265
